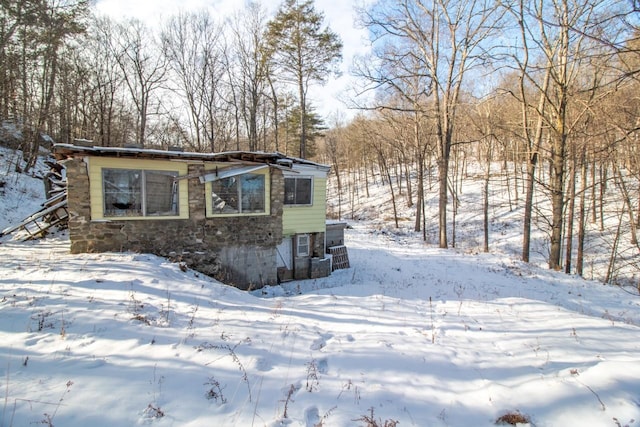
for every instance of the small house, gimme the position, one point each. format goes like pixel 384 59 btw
pixel 246 218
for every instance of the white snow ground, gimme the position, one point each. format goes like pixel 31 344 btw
pixel 418 335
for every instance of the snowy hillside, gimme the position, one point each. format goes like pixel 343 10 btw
pixel 20 194
pixel 409 334
pixel 605 255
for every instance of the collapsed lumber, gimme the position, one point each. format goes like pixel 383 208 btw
pixel 54 210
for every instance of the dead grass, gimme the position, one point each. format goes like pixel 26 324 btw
pixel 513 418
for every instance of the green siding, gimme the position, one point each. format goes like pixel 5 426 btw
pixel 307 219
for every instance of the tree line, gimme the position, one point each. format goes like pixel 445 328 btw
pixel 196 81
pixel 542 95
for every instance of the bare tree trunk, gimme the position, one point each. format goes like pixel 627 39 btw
pixel 393 194
pixel 627 204
pixel 274 101
pixel 559 141
pixel 50 71
pixel 594 210
pixel 614 251
pixel 422 205
pixel 303 116
pixel 454 215
pixel 534 151
pixel 638 212
pixel 443 172
pixel 332 142
pixel 397 169
pixel 582 214
pixel 570 214
pixel 557 200
pixel 407 177
pixel 366 179
pixel 516 172
pixel 533 144
pixel 603 189
pixel 420 201
pixel 454 184
pixel 485 194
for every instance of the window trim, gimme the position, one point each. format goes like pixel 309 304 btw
pixel 299 238
pixel 311 190
pixel 216 172
pixel 95 164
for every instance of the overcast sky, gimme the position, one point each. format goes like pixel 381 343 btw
pixel 339 15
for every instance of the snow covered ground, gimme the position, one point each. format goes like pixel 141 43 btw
pixel 417 335
pixel 409 334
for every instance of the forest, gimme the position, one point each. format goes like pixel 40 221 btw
pixel 537 96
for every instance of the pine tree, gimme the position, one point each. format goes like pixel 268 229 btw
pixel 302 51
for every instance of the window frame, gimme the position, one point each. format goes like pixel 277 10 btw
pixel 143 193
pixel 299 238
pixel 216 173
pixel 295 193
pixel 240 190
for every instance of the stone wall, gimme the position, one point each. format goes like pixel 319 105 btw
pixel 236 250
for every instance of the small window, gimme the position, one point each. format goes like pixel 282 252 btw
pixel 239 194
pixel 302 246
pixel 298 190
pixel 134 192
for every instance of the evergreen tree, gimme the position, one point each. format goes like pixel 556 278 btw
pixel 302 51
pixel 314 126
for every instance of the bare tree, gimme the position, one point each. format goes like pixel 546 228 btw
pixel 403 88
pixel 559 39
pixel 38 30
pixel 192 44
pixel 15 18
pixel 144 68
pixel 250 56
pixel 105 77
pixel 448 38
pixel 532 134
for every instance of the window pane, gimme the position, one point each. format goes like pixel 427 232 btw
pixel 289 191
pixel 161 193
pixel 297 191
pixel 122 192
pixel 303 191
pixel 225 195
pixel 303 245
pixel 252 193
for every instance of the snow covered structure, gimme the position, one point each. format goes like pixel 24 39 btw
pixel 246 218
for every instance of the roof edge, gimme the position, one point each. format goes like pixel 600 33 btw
pixel 62 151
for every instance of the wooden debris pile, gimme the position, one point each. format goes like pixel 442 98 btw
pixel 54 210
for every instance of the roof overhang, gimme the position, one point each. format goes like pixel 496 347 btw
pixel 230 172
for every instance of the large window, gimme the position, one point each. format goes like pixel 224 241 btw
pixel 136 192
pixel 239 194
pixel 298 190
